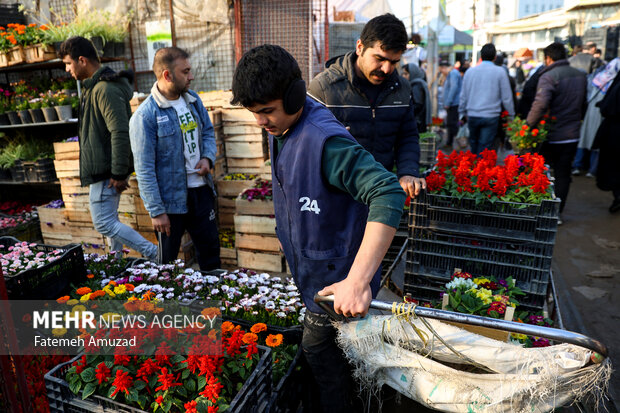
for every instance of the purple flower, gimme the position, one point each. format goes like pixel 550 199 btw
pixel 503 283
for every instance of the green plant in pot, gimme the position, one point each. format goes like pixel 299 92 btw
pixel 63 106
pixel 48 103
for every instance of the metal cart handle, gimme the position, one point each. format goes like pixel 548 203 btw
pixel 562 336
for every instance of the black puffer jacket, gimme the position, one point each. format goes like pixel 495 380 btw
pixel 561 93
pixel 387 129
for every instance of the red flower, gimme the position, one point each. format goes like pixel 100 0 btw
pixel 159 400
pixel 80 367
pixel 122 360
pixel 190 407
pixel 122 382
pixel 102 372
pixel 148 367
pixel 534 132
pixel 212 389
pixel 166 380
pixel 498 307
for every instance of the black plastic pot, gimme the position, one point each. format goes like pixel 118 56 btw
pixel 25 116
pixel 109 50
pixel 119 49
pixel 37 115
pixel 98 43
pixel 4 119
pixel 50 114
pixel 14 118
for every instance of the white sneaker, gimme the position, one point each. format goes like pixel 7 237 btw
pixel 576 172
pixel 589 175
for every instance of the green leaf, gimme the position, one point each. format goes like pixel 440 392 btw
pixel 132 396
pixel 152 381
pixel 88 390
pixel 190 385
pixel 75 386
pixel 88 374
pixel 185 374
pixel 139 385
pixel 167 405
pixel 202 381
pixel 142 401
pixel 181 391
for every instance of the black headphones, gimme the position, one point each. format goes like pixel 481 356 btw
pixel 294 97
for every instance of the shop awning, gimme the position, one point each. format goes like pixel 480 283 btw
pixel 582 4
pixel 549 20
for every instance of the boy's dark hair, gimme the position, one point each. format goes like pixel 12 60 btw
pixel 488 52
pixel 386 29
pixel 263 74
pixel 555 51
pixel 165 59
pixel 78 46
pixel 415 38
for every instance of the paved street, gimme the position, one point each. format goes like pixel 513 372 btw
pixel 586 265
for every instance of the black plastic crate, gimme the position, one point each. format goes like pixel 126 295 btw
pixel 428 150
pixel 288 393
pixel 425 290
pixel 50 281
pixel 434 255
pixel 41 170
pixel 500 220
pixel 252 398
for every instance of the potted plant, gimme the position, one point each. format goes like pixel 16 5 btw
pixel 22 110
pixel 68 85
pixel 5 106
pixel 15 35
pixel 63 107
pixel 34 108
pixel 48 103
pixel 524 138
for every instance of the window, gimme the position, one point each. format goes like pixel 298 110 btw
pixel 527 8
pixel 542 8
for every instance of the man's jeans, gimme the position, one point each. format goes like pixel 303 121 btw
pixel 329 366
pixel 580 157
pixel 104 211
pixel 482 132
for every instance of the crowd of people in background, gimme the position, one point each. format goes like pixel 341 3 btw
pixel 579 91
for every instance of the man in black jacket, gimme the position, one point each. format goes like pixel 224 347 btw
pixel 561 93
pixel 366 94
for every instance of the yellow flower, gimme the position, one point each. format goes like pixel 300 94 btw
pixel 85 297
pixel 121 289
pixel 108 291
pixel 519 336
pixel 59 332
pixel 481 280
pixel 484 295
pixel 78 309
pixel 73 301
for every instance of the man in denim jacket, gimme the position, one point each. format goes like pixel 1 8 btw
pixel 174 148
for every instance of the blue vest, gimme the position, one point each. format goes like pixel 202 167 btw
pixel 320 227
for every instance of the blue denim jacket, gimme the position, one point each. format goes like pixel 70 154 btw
pixel 157 147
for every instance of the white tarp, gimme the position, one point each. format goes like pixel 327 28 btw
pixel 404 354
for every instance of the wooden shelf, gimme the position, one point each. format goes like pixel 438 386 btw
pixel 50 64
pixel 29 183
pixel 33 125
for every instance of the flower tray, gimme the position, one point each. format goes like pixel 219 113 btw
pixel 253 396
pixel 4 60
pixel 288 393
pixel 41 170
pixel 500 220
pixel 39 53
pixel 51 280
pixel 16 55
pixel 29 231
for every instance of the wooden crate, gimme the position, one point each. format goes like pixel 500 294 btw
pixel 254 207
pixel 66 150
pixel 226 202
pixel 245 165
pixel 253 224
pixel 144 222
pixel 215 99
pixel 58 239
pixel 241 115
pixel 260 260
pixel 236 128
pixel 257 242
pixel 78 216
pixel 128 219
pixel 244 146
pixel 233 188
pixel 215 116
pixel 226 217
pixel 67 168
pixel 228 253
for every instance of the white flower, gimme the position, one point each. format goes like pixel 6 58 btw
pixel 270 305
pixel 280 314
